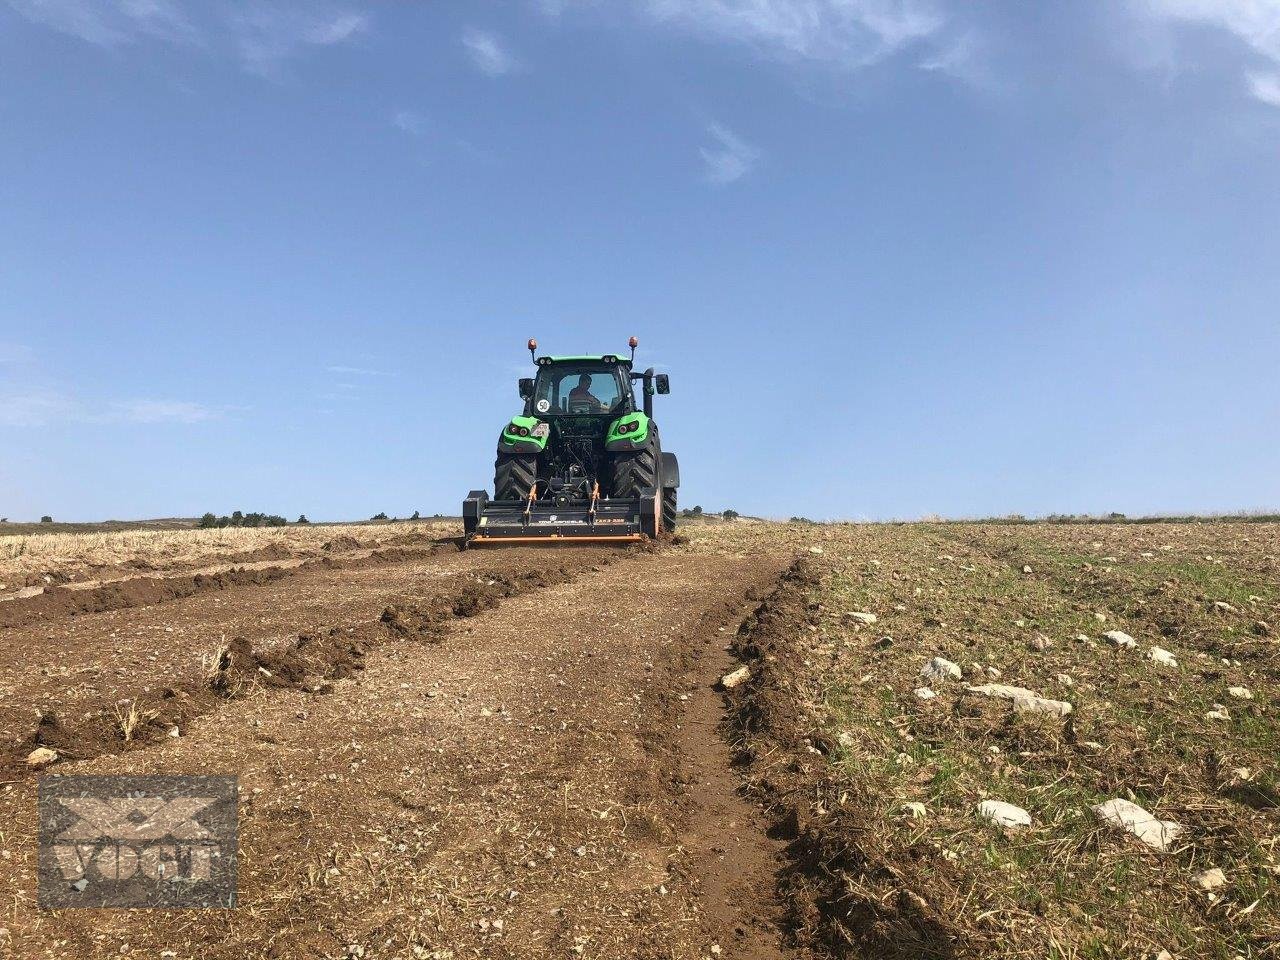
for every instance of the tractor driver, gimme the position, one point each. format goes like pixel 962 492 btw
pixel 581 394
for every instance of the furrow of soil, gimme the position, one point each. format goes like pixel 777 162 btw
pixel 310 659
pixel 60 601
pixel 543 782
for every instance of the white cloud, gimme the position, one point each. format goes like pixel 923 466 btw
pixel 730 159
pixel 847 33
pixel 1265 87
pixel 487 53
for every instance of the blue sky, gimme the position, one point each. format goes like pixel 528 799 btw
pixel 899 257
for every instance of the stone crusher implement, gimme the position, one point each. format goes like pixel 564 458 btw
pixel 582 462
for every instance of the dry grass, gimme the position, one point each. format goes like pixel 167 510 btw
pixel 61 556
pixel 130 715
pixel 1069 886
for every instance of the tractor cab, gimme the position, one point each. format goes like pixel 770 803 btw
pixel 581 386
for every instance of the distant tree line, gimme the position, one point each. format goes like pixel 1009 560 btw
pixel 239 519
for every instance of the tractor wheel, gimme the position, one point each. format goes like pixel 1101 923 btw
pixel 669 509
pixel 635 471
pixel 513 475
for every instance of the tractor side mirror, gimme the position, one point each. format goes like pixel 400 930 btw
pixel 526 388
pixel 663 383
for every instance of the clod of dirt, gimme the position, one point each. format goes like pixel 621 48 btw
pixel 1128 816
pixel 41 757
pixel 340 543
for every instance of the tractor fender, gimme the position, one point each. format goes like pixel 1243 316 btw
pixel 670 471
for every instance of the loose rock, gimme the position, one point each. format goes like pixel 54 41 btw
pixel 41 757
pixel 1121 639
pixel 1210 880
pixel 1240 693
pixel 924 693
pixel 861 616
pixel 940 668
pixel 1162 656
pixel 735 677
pixel 1126 815
pixel 1022 698
pixel 1004 814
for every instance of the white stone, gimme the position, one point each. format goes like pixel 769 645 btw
pixel 41 757
pixel 1022 698
pixel 1126 815
pixel 1004 814
pixel 1121 639
pixel 815 550
pixel 861 616
pixel 1210 880
pixel 1026 569
pixel 1162 656
pixel 940 668
pixel 915 811
pixel 1240 693
pixel 735 677
pixel 924 693
pixel 1223 606
pixel 1219 712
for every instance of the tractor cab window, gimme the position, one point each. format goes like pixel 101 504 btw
pixel 580 388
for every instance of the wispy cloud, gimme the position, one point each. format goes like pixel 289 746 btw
pixel 110 22
pixel 261 35
pixel 487 53
pixel 1255 23
pixel 1265 87
pixel 846 33
pixel 268 35
pixel 409 122
pixel 359 371
pixel 158 411
pixel 730 159
pixel 38 408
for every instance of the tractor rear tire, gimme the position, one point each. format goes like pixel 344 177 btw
pixel 669 509
pixel 635 472
pixel 513 475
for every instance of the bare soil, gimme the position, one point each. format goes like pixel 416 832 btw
pixel 515 753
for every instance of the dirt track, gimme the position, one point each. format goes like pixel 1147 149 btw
pixel 543 777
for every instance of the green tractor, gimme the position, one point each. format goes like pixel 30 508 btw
pixel 582 461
